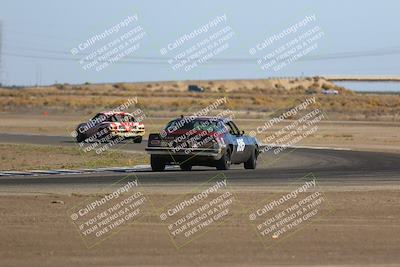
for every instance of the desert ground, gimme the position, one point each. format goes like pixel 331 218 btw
pixel 362 229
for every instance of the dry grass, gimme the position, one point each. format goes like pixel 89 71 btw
pixel 250 98
pixel 21 157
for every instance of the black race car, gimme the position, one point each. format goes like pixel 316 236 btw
pixel 202 141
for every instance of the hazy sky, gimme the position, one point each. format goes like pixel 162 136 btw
pixel 360 37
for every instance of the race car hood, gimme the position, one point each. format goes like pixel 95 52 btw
pixel 123 126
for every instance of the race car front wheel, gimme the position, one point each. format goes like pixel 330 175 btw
pixel 224 163
pixel 137 139
pixel 157 164
pixel 80 137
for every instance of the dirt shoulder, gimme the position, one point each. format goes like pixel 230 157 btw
pixel 362 229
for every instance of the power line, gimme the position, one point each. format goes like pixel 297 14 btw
pixel 161 60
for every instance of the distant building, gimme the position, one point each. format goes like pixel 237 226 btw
pixel 195 88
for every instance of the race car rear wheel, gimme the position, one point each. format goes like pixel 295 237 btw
pixel 157 164
pixel 251 163
pixel 137 139
pixel 224 163
pixel 186 167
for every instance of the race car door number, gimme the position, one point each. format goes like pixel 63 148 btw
pixel 241 145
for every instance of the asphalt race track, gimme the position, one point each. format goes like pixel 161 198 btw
pixel 335 167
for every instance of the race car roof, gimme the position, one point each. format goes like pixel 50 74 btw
pixel 205 118
pixel 108 113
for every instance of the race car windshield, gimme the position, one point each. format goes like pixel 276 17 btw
pixel 121 118
pixel 198 125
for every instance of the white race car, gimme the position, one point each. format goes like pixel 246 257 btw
pixel 107 126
